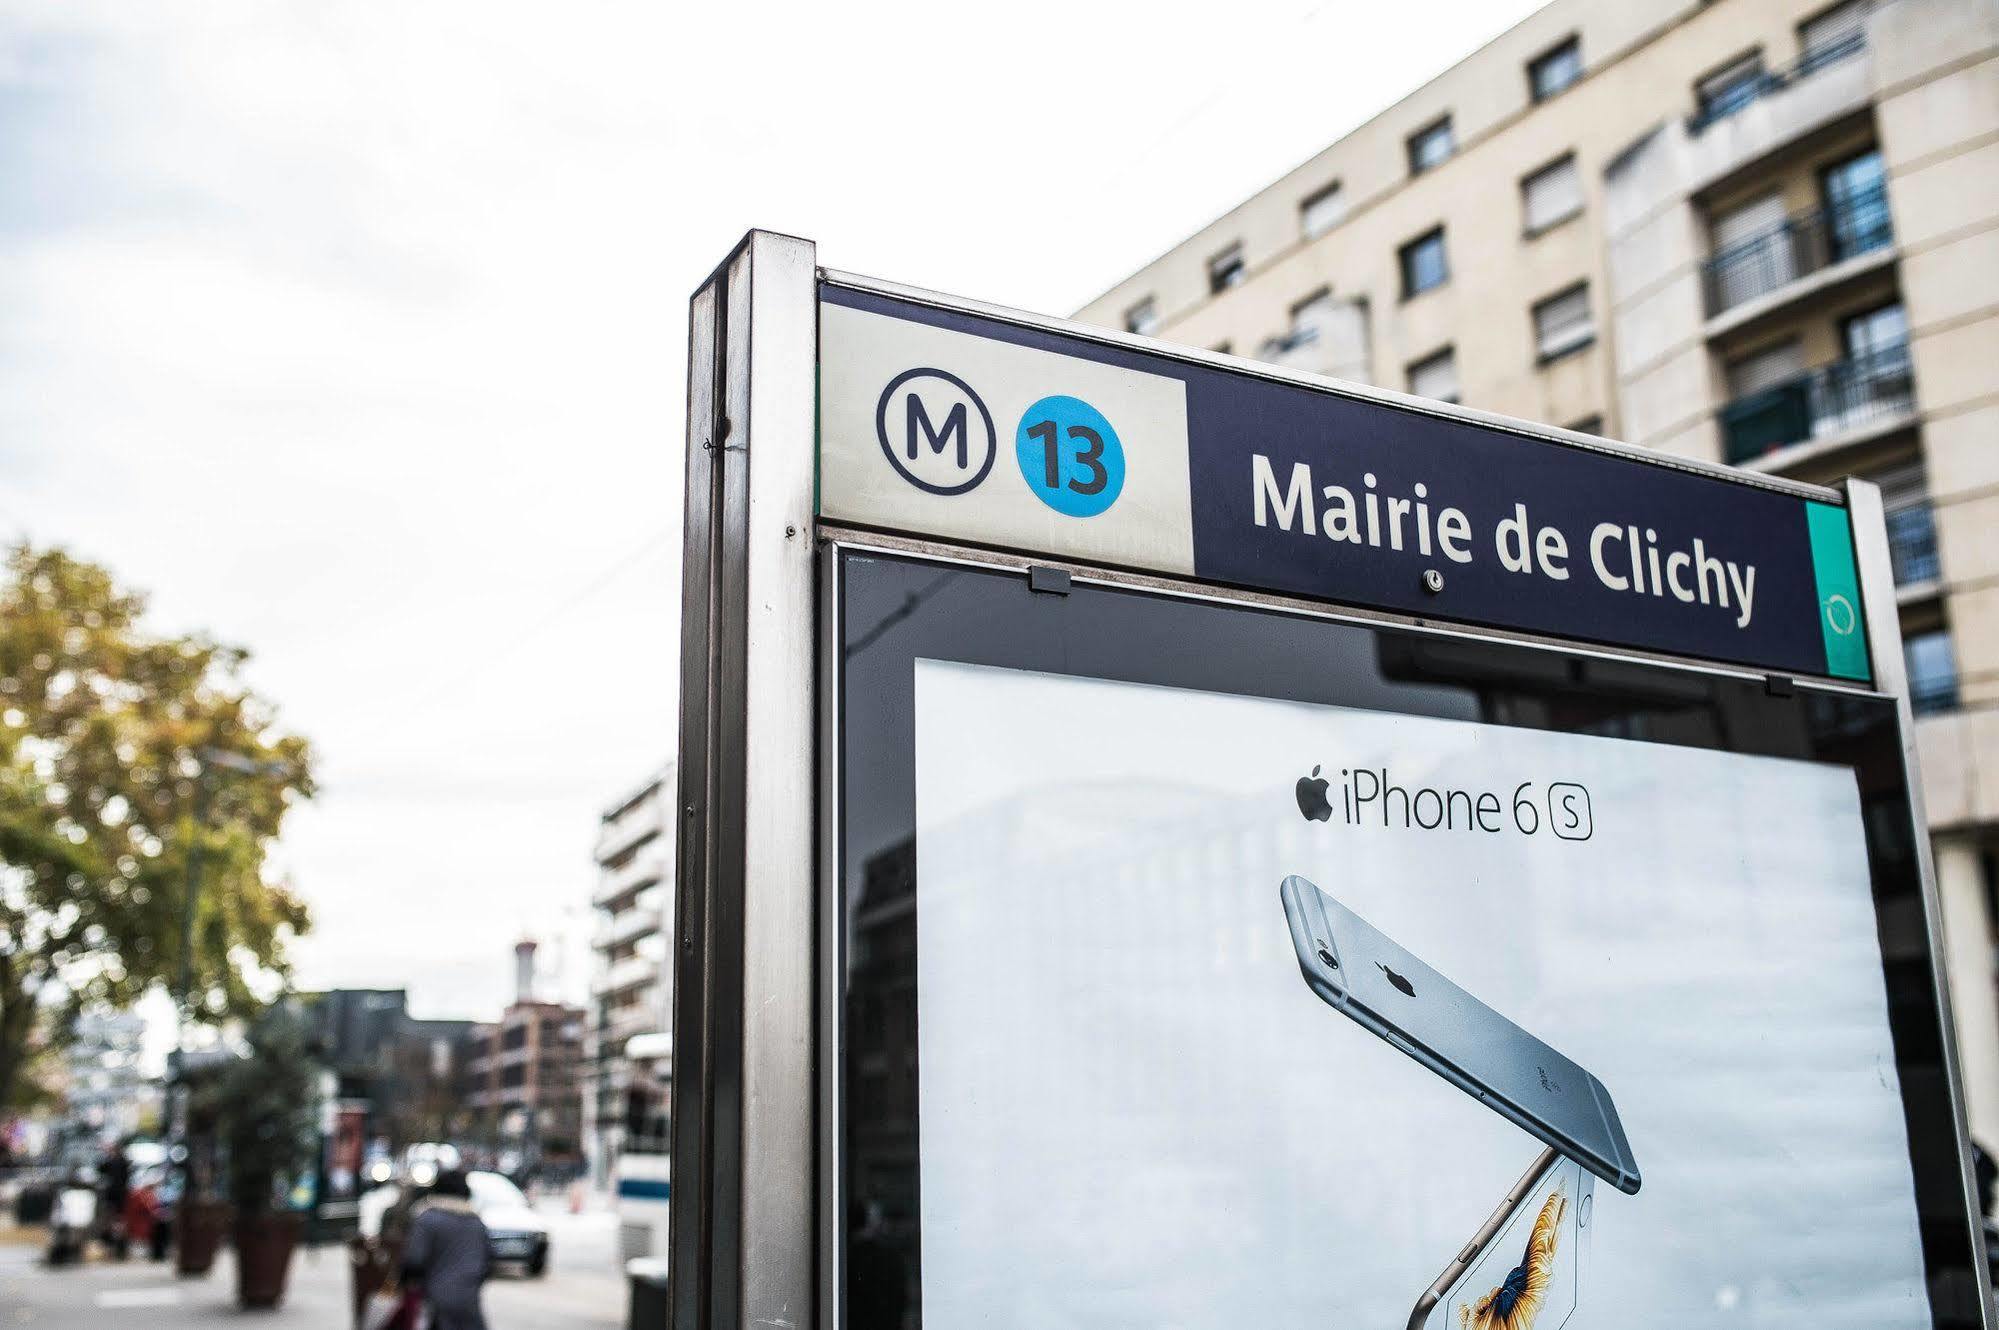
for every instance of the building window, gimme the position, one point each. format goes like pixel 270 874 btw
pixel 1226 269
pixel 1839 31
pixel 1555 70
pixel 1932 669
pixel 1424 264
pixel 1856 206
pixel 1142 318
pixel 1436 376
pixel 1309 318
pixel 1912 528
pixel 1562 323
pixel 1431 146
pixel 1322 212
pixel 1767 368
pixel 1587 425
pixel 1753 253
pixel 1552 194
pixel 1879 336
pixel 1730 88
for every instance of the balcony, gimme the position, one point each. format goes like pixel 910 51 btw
pixel 629 926
pixel 1871 393
pixel 1740 96
pixel 643 869
pixel 1796 248
pixel 620 834
pixel 627 973
pixel 627 1022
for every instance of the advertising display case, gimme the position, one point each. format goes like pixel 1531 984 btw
pixel 1170 841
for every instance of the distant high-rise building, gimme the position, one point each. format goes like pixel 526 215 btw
pixel 626 1099
pixel 1761 232
pixel 523 1079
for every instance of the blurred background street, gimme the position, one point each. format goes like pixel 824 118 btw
pixel 583 1289
pixel 341 412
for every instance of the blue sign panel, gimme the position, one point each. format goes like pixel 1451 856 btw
pixel 1147 460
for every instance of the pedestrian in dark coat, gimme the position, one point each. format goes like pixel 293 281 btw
pixel 447 1256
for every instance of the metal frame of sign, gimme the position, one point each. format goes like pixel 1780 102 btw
pixel 756 1205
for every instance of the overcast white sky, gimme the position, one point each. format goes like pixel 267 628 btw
pixel 355 332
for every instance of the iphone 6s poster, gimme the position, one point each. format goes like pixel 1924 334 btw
pixel 1239 1012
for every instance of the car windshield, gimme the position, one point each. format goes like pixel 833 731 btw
pixel 490 1191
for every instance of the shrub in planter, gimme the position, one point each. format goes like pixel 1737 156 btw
pixel 198 1228
pixel 265 1125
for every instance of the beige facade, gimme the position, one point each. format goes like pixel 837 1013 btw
pixel 1764 232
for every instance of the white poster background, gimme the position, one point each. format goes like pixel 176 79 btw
pixel 1134 1112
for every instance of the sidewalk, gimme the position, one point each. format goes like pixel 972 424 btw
pixel 582 1291
pixel 103 1294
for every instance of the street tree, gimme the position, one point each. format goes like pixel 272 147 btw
pixel 124 753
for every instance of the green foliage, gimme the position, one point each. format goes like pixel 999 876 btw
pixel 35 1083
pixel 264 1111
pixel 121 752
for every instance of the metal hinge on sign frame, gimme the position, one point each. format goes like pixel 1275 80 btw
pixel 1048 581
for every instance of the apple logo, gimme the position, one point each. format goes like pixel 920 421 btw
pixel 1312 800
pixel 1402 985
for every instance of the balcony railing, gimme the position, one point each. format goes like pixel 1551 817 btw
pixel 1797 247
pixel 1753 89
pixel 1845 395
pixel 640 871
pixel 1912 544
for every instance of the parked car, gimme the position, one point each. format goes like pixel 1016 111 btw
pixel 515 1233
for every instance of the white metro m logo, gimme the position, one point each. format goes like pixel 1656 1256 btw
pixel 935 431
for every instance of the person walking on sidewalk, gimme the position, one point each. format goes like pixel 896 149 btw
pixel 446 1254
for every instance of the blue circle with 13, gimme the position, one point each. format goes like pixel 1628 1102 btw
pixel 1070 456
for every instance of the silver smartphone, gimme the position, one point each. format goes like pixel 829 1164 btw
pixel 1523 1269
pixel 1361 972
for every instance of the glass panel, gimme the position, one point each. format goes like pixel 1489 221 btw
pixel 1879 332
pixel 1730 89
pixel 1912 544
pixel 1322 212
pixel 1856 204
pixel 1556 70
pixel 1424 264
pixel 1552 193
pixel 1436 377
pixel 1563 322
pixel 1142 318
pixel 1048 1074
pixel 1932 671
pixel 1226 269
pixel 1832 34
pixel 1428 147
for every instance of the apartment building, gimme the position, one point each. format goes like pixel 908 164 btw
pixel 631 991
pixel 1762 232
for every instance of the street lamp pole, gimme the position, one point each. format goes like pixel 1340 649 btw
pixel 184 985
pixel 209 759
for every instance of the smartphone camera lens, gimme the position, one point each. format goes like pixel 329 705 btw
pixel 1326 955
